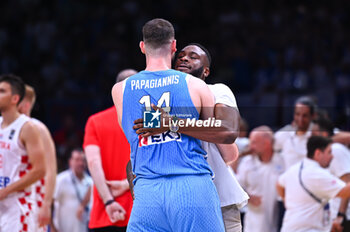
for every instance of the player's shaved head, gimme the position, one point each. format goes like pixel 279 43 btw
pixel 264 132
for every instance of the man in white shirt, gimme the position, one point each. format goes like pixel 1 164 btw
pixel 73 185
pixel 340 167
pixel 257 173
pixel 307 187
pixel 291 142
pixel 195 59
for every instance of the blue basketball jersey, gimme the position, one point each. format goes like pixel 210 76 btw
pixel 167 153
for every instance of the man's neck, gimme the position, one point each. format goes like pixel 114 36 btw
pixel 9 116
pixel 80 176
pixel 27 113
pixel 300 132
pixel 303 131
pixel 158 63
pixel 266 156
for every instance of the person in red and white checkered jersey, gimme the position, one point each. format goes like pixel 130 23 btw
pixel 44 188
pixel 22 160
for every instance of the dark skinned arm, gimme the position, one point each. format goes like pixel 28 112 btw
pixel 280 190
pixel 225 134
pixel 130 176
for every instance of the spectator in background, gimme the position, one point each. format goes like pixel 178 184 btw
pixel 283 46
pixel 257 174
pixel 306 188
pixel 71 207
pixel 108 152
pixel 66 138
pixel 292 142
pixel 340 167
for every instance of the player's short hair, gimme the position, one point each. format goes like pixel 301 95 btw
pixel 307 101
pixel 316 142
pixel 204 49
pixel 325 124
pixel 158 32
pixel 17 84
pixel 125 73
pixel 30 94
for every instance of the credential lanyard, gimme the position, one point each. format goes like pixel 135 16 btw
pixel 303 186
pixel 326 212
pixel 77 191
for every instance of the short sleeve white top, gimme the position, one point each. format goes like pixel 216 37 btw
pixel 229 190
pixel 303 213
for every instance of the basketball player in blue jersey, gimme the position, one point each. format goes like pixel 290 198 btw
pixel 173 186
pixel 195 60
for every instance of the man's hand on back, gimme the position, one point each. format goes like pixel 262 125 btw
pixel 118 187
pixel 115 212
pixel 146 132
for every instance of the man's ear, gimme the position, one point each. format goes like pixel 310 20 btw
pixel 15 99
pixel 173 47
pixel 206 72
pixel 317 154
pixel 324 134
pixel 142 47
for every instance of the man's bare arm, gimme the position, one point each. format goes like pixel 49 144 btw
pixel 280 190
pixel 228 152
pixel 342 137
pixel 130 177
pixel 203 99
pixel 117 95
pixel 50 176
pixel 30 138
pixel 344 192
pixel 93 158
pixel 114 210
pixel 223 134
pixel 230 118
pixel 83 204
pixel 344 201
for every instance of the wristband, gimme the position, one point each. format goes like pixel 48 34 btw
pixel 174 128
pixel 343 215
pixel 109 202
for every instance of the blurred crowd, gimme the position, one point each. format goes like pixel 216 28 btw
pixel 267 52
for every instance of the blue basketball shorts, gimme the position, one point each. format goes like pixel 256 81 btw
pixel 176 203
